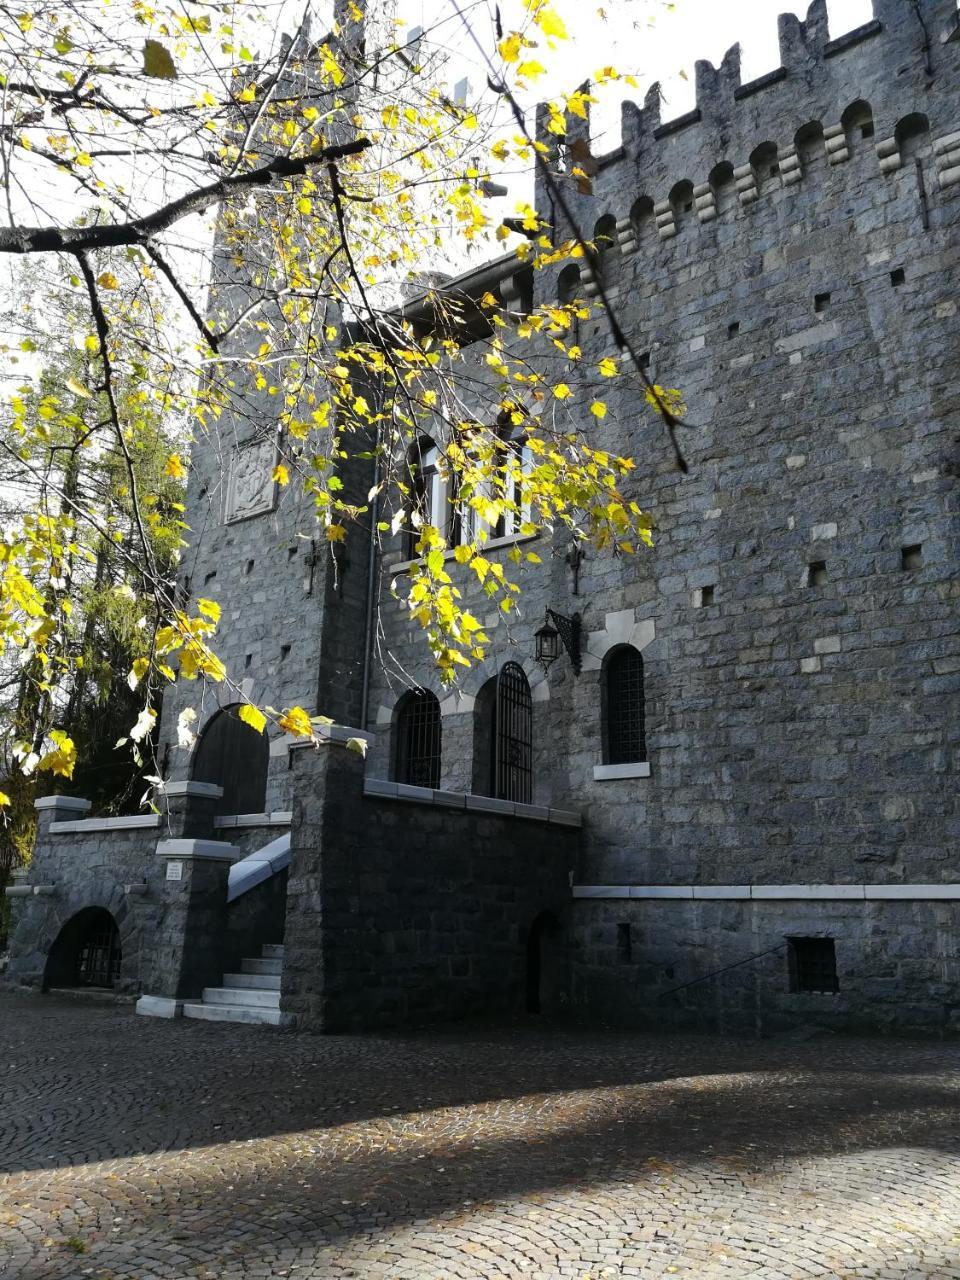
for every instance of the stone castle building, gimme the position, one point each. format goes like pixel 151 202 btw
pixel 739 806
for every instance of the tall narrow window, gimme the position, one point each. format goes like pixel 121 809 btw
pixel 624 736
pixel 513 736
pixel 428 493
pixel 417 739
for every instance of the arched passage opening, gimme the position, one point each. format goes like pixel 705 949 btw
pixel 234 756
pixel 545 964
pixel 86 952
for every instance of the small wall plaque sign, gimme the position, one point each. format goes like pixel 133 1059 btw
pixel 174 870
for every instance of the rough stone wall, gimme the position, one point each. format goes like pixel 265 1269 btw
pixel 898 965
pixel 86 871
pixel 398 911
pixel 801 723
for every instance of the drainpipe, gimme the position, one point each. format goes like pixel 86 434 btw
pixel 371 580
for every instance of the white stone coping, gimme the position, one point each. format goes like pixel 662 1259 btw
pixel 384 790
pixel 776 892
pixel 159 1007
pixel 76 803
pixel 218 849
pixel 202 790
pixel 18 891
pixel 339 733
pixel 88 825
pixel 610 772
pixel 258 866
pixel 278 818
pixel 494 544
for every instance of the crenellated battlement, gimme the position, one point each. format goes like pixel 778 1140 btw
pixel 888 89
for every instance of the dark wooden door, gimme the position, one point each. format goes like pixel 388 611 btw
pixel 235 757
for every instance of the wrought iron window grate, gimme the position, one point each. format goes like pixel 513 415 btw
pixel 625 707
pixel 418 740
pixel 514 735
pixel 813 965
pixel 98 959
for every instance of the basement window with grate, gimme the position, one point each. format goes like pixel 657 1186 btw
pixel 813 965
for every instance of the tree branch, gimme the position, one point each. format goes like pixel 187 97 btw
pixel 138 231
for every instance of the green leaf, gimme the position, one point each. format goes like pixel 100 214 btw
pixel 157 61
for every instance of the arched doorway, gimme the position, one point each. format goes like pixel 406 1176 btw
pixel 234 756
pixel 545 967
pixel 86 952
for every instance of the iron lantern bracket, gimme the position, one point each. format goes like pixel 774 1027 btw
pixel 569 632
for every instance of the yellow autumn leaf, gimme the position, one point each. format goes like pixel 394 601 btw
pixel 247 94
pixel 209 608
pixel 304 205
pixel 174 467
pixel 4 799
pixel 280 474
pixel 296 722
pixel 608 367
pixel 510 47
pixel 561 391
pixel 598 409
pixel 390 117
pixel 78 388
pixel 253 716
pixel 550 23
pixel 107 280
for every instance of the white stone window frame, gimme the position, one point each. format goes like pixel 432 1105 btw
pixel 620 628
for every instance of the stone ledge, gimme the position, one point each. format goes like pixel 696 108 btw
pixel 159 1007
pixel 610 772
pixel 201 790
pixel 184 849
pixel 18 891
pixel 777 892
pixel 381 789
pixel 279 818
pixel 88 825
pixel 74 803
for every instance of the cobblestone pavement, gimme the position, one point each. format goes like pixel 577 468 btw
pixel 138 1148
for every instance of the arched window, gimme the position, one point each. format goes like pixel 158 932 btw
pixel 766 167
pixel 416 739
pixel 810 145
pixel 913 136
pixel 624 736
pixel 514 735
pixel 857 123
pixel 723 186
pixel 681 202
pixel 605 244
pixel 503 737
pixel 643 221
pixel 568 283
pixel 234 756
pixel 86 952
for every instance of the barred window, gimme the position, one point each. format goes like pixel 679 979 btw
pixel 624 737
pixel 417 739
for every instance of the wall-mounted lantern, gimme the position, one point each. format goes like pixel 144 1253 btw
pixel 558 630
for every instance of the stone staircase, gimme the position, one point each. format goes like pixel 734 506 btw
pixel 253 995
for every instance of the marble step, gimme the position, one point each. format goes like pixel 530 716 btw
pixel 250 997
pixel 262 981
pixel 233 1013
pixel 262 966
pixel 272 951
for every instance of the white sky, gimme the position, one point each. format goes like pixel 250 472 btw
pixel 650 39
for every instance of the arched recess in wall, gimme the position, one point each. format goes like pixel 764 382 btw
pixel 766 167
pixel 681 202
pixel 913 136
pixel 545 964
pixel 417 739
pixel 811 149
pixel 86 952
pixel 235 757
pixel 723 186
pixel 605 248
pixel 568 283
pixel 643 222
pixel 858 127
pixel 503 736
